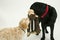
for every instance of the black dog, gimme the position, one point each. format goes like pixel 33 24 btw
pixel 47 16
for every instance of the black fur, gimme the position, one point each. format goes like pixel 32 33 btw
pixel 48 20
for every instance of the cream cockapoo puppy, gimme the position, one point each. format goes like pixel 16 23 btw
pixel 15 33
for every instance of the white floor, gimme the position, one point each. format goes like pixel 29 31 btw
pixel 37 37
pixel 12 11
pixel 47 36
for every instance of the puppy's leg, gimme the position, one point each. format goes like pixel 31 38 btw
pixel 43 32
pixel 52 29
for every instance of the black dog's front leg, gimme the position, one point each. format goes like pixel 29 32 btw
pixel 43 32
pixel 52 29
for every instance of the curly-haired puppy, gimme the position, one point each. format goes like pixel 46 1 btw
pixel 15 33
pixel 47 16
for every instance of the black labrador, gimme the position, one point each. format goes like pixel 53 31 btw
pixel 47 16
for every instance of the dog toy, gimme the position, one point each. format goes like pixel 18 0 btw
pixel 34 21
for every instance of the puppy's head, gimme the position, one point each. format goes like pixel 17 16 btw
pixel 24 23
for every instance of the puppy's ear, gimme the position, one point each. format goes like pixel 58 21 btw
pixel 23 23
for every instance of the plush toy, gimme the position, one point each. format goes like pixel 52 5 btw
pixel 33 22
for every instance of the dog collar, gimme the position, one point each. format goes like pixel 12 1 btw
pixel 45 13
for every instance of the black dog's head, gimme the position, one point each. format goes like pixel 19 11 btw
pixel 38 8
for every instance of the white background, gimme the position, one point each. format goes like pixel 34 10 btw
pixel 12 11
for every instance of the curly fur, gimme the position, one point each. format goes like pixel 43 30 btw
pixel 14 33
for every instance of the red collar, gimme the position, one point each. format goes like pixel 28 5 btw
pixel 45 13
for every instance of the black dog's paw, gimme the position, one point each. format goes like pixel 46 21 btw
pixel 52 38
pixel 42 38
